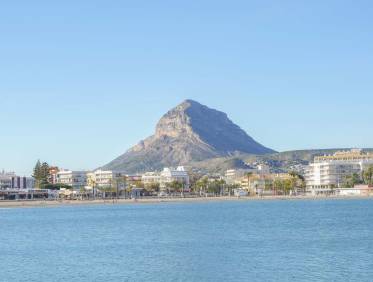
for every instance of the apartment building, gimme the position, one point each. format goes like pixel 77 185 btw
pixel 75 179
pixel 105 178
pixel 150 178
pixel 9 180
pixel 169 175
pixel 330 171
pixel 6 179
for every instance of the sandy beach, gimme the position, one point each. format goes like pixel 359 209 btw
pixel 54 203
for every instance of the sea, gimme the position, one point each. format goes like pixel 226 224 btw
pixel 264 240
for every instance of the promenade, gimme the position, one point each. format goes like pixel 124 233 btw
pixel 154 200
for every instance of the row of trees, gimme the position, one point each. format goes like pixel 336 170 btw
pixel 217 186
pixel 284 186
pixel 366 177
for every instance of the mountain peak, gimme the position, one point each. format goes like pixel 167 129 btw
pixel 188 103
pixel 187 133
pixel 191 102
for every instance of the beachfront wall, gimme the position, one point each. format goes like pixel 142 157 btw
pixel 359 190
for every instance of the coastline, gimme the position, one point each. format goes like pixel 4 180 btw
pixel 54 203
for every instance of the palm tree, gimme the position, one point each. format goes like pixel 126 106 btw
pixel 202 184
pixel 248 175
pixel 295 178
pixel 368 176
pixel 176 185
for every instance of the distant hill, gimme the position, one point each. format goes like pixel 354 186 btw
pixel 190 133
pixel 305 155
pixel 280 162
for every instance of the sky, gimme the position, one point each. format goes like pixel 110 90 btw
pixel 82 81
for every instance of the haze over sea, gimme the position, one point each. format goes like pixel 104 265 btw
pixel 325 240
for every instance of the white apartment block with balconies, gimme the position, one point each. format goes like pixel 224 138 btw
pixel 169 175
pixel 150 178
pixel 75 179
pixel 330 171
pixel 104 178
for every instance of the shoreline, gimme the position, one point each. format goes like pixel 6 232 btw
pixel 57 203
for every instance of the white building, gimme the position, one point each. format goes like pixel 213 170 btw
pixel 150 178
pixel 236 176
pixel 9 180
pixel 330 171
pixel 6 179
pixel 75 179
pixel 104 178
pixel 169 175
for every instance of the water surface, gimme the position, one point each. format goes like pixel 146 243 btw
pixel 326 240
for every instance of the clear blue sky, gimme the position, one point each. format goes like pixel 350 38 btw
pixel 82 81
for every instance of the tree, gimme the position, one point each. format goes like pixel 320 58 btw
pixel 176 186
pixel 297 179
pixel 37 174
pixel 278 185
pixel 216 186
pixel 154 187
pixel 249 175
pixel 351 180
pixel 44 174
pixel 201 184
pixel 57 186
pixel 368 175
pixel 41 174
pixel 288 185
pixel 119 183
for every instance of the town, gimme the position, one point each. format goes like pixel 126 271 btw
pixel 344 173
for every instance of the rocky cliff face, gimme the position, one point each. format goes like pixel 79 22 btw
pixel 188 133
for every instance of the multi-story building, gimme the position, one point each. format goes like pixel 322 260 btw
pixel 105 178
pixel 330 171
pixel 9 180
pixel 169 175
pixel 235 176
pixel 75 179
pixel 240 176
pixel 53 170
pixel 150 178
pixel 6 179
pixel 23 182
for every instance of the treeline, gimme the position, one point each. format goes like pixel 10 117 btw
pixel 366 177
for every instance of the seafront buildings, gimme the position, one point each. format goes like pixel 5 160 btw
pixel 75 179
pixel 108 178
pixel 166 177
pixel 105 178
pixel 255 179
pixel 330 171
pixel 9 180
pixel 169 175
pixel 151 178
pixel 326 175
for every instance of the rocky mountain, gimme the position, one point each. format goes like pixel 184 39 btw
pixel 190 133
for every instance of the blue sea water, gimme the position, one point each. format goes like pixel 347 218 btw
pixel 326 240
